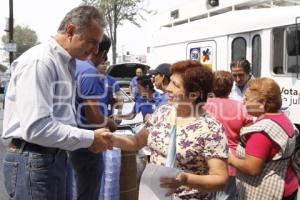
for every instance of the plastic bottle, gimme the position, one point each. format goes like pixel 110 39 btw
pixel 110 183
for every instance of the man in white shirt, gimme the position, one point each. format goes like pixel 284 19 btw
pixel 40 109
pixel 241 72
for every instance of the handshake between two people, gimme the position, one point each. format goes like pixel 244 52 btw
pixel 103 140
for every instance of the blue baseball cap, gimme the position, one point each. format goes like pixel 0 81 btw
pixel 164 69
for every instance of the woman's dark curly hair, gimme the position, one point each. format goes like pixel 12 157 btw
pixel 196 78
pixel 145 81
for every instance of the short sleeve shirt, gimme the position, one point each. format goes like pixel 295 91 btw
pixel 202 139
pixel 163 99
pixel 89 86
pixel 145 106
pixel 133 85
pixel 113 84
pixel 260 145
pixel 111 87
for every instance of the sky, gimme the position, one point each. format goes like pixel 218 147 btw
pixel 44 16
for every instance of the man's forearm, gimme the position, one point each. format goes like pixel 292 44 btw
pixel 50 133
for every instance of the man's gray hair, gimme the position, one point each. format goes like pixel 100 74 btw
pixel 82 17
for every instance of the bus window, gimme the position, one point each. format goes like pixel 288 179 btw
pixel 256 55
pixel 238 48
pixel 291 49
pixel 278 50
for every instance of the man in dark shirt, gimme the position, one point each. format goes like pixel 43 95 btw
pixel 91 114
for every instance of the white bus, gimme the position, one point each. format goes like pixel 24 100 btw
pixel 268 37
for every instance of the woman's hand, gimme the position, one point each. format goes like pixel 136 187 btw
pixel 130 142
pixel 117 117
pixel 172 183
pixel 231 158
pixel 147 117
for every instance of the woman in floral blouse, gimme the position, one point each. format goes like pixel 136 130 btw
pixel 201 146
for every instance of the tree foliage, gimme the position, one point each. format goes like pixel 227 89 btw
pixel 116 12
pixel 24 37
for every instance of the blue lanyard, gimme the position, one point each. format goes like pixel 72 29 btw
pixel 171 157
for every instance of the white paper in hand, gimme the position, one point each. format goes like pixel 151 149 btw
pixel 150 182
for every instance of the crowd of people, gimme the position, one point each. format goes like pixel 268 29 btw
pixel 223 130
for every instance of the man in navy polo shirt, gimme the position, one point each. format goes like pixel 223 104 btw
pixel 146 101
pixel 91 114
pixel 114 97
pixel 162 75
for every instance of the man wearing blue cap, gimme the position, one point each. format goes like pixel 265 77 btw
pixel 161 75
